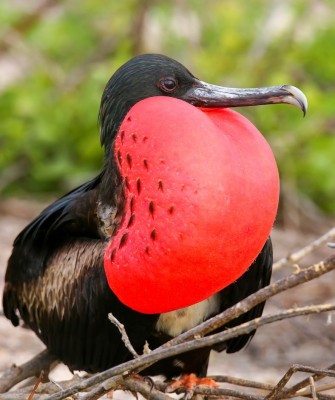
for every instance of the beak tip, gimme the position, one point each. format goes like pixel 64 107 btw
pixel 297 98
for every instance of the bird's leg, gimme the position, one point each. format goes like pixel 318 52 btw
pixel 187 384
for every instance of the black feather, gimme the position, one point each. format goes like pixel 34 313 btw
pixel 257 276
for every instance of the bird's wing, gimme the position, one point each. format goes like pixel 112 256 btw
pixel 69 216
pixel 55 280
pixel 257 276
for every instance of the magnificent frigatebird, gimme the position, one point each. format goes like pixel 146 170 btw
pixel 56 279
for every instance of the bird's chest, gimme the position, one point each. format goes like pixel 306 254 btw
pixel 174 323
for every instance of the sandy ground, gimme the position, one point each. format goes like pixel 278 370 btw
pixel 303 340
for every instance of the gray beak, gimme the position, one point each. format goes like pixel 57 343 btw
pixel 205 95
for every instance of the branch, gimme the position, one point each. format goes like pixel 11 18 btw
pixel 298 389
pixel 20 395
pixel 301 385
pixel 313 389
pixel 123 333
pixel 208 391
pixel 251 301
pixel 42 391
pixel 142 362
pixel 250 326
pixel 240 382
pixel 320 388
pixel 105 387
pixel 224 392
pixel 44 361
pixel 145 389
pixel 302 253
pixel 278 389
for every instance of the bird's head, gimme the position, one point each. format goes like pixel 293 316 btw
pixel 200 182
pixel 151 75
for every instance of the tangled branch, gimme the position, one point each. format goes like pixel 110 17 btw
pixel 124 376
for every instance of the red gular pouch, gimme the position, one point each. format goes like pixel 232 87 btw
pixel 202 193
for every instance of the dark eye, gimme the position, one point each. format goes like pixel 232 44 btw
pixel 167 85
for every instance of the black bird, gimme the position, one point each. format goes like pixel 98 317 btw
pixel 55 280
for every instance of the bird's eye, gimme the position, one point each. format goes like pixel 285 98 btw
pixel 167 85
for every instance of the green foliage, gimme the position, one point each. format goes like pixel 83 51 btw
pixel 49 136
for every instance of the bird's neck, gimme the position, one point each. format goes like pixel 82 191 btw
pixel 111 202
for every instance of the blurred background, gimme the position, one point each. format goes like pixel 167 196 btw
pixel 55 59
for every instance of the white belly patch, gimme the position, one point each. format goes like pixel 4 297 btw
pixel 176 322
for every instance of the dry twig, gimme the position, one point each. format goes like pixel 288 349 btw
pixel 145 389
pixel 305 251
pixel 241 382
pixel 37 383
pixel 301 388
pixel 123 333
pixel 278 389
pixel 251 301
pixel 44 361
pixel 313 390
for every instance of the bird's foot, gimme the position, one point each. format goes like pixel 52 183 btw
pixel 187 383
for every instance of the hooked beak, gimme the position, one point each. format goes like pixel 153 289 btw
pixel 205 95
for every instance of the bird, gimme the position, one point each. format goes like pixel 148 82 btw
pixel 56 279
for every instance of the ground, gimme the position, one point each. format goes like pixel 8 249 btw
pixel 303 340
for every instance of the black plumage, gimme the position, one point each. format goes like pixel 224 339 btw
pixel 55 280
